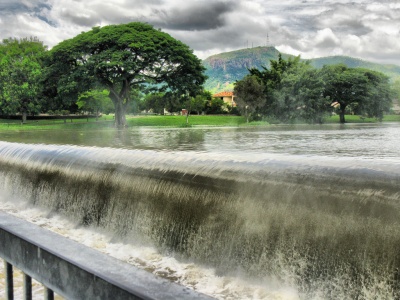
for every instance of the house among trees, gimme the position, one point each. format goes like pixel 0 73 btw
pixel 396 107
pixel 227 97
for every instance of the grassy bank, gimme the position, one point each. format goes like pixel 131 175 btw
pixel 67 123
pixel 358 119
pixel 160 121
pixel 180 121
pixel 108 122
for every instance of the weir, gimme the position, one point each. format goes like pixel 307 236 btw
pixel 331 225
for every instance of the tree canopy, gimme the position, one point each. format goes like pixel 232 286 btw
pixel 120 58
pixel 249 95
pixel 296 91
pixel 359 90
pixel 20 70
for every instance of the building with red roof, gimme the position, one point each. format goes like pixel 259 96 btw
pixel 227 97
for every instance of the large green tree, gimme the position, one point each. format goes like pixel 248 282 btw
pixel 296 91
pixel 120 58
pixel 21 63
pixel 380 95
pixel 249 94
pixel 277 103
pixel 299 96
pixel 315 105
pixel 357 90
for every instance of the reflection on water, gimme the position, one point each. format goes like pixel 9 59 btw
pixel 351 140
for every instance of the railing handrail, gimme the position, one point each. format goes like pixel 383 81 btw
pixel 75 271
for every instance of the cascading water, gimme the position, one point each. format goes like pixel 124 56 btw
pixel 329 227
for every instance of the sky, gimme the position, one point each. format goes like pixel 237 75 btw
pixel 365 29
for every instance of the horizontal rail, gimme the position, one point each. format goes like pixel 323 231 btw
pixel 75 271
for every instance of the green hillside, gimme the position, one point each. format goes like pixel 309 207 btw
pixel 393 71
pixel 225 68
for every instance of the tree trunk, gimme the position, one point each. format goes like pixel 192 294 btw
pixel 120 110
pixel 24 116
pixel 341 115
pixel 187 117
pixel 120 101
pixel 120 119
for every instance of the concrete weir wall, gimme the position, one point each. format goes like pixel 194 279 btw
pixel 75 271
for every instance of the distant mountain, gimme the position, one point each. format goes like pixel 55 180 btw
pixel 393 71
pixel 225 68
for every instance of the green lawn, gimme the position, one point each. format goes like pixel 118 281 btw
pixel 6 124
pixel 161 121
pixel 391 118
pixel 180 121
pixel 358 119
pixel 108 121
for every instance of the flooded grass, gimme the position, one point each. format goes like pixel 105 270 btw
pixel 107 121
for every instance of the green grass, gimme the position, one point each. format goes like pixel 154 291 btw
pixel 133 121
pixel 180 121
pixel 391 118
pixel 161 121
pixel 358 119
pixel 6 124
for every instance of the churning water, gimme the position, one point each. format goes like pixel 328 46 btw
pixel 290 213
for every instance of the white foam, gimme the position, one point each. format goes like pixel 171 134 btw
pixel 199 278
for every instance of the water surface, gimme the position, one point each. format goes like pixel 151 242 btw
pixel 375 141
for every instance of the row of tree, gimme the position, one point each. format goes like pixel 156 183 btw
pixel 113 62
pixel 131 67
pixel 292 90
pixel 96 101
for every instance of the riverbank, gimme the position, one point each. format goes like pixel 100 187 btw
pixel 107 121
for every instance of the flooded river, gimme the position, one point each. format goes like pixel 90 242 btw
pixel 284 212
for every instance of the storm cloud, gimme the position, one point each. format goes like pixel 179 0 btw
pixel 193 17
pixel 366 29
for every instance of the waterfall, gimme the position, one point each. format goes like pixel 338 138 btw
pixel 332 223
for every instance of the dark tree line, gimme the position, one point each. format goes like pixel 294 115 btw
pixel 292 90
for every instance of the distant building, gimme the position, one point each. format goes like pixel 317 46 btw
pixel 227 97
pixel 396 107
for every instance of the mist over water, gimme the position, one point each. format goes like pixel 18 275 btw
pixel 315 210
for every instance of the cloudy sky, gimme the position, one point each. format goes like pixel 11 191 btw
pixel 366 29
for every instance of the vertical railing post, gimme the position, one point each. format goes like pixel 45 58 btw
pixel 8 268
pixel 48 294
pixel 27 287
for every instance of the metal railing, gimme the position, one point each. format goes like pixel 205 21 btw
pixel 74 271
pixel 27 285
